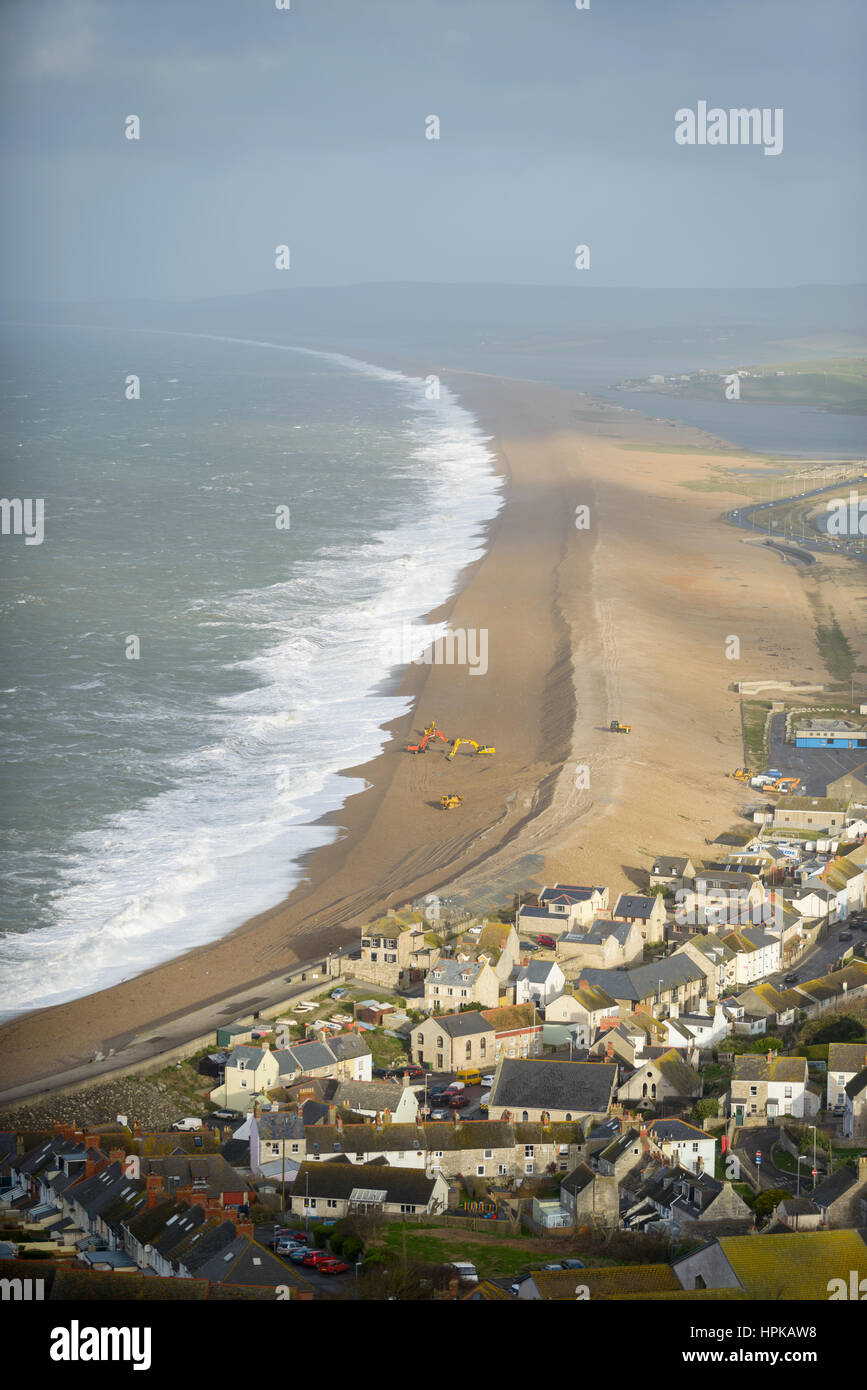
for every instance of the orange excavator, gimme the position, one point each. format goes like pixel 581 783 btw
pixel 430 732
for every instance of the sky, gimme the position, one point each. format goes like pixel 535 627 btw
pixel 305 127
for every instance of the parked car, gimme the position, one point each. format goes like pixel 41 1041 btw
pixel 552 1266
pixel 285 1246
pixel 573 1264
pixel 439 1114
pixel 299 1256
pixel 488 1080
pixel 458 1102
pixel 791 979
pixel 548 942
pixel 484 1100
pixel 339 993
pixel 333 1266
pixel 313 1258
pixel 529 946
pixel 225 1115
pixel 846 936
pixel 188 1124
pixel 466 1271
pixel 412 1069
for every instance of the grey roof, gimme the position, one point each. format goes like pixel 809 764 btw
pixel 306 1056
pixel 834 1186
pixel 527 911
pixel 578 1179
pixel 669 864
pixel 242 1261
pixel 279 1124
pixel 368 1095
pixel 462 1025
pixel 251 1055
pixel 857 1084
pixel 798 1206
pixel 529 1082
pixel 672 970
pixel 602 928
pixel 677 1130
pixel 405 1185
pixel 634 905
pixel 537 972
pixel 455 972
pixel 347 1045
pixel 616 983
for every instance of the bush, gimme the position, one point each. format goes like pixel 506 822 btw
pixel 767 1201
pixel 352 1248
pixel 320 1236
pixel 337 1242
pixel 706 1109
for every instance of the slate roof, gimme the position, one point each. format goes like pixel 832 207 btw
pixel 463 1025
pixel 524 1083
pixel 857 1084
pixel 567 893
pixel 578 1179
pixel 537 972
pixel 834 1186
pixel 529 911
pixel 456 973
pixel 404 1185
pixel 634 905
pixel 348 1045
pixel 675 1131
pixel 243 1261
pixel 670 866
pixel 280 1124
pixel 368 1095
pixel 251 1056
pixel 308 1056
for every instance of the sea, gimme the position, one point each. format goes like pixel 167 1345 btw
pixel 234 549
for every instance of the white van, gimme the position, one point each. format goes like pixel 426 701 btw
pixel 465 1271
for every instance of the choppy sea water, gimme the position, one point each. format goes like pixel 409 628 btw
pixel 152 803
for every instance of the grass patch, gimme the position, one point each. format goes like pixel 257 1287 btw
pixel 754 714
pixel 835 651
pixel 493 1259
pixel 386 1051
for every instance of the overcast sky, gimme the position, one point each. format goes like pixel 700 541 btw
pixel 306 127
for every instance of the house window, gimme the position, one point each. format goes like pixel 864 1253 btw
pixel 568 1116
pixel 407 1207
pixel 469 1050
pixel 489 1153
pixel 528 1167
pixel 295 1148
pixel 787 1093
pixel 482 1047
pixel 480 1170
pixel 390 960
pixel 528 1148
pixel 754 1090
pixel 332 1203
pixel 438 1153
pixel 275 1148
pixel 310 1203
pixel 501 1169
pixel 524 1116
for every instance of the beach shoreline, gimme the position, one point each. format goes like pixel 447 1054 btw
pixel 576 621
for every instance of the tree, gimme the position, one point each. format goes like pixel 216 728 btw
pixel 766 1202
pixel 706 1109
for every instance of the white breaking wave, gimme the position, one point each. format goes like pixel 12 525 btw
pixel 227 840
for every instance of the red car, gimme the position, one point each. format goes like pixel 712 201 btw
pixel 315 1258
pixel 332 1266
pixel 459 1101
pixel 547 941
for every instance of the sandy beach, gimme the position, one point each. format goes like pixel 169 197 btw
pixel 626 619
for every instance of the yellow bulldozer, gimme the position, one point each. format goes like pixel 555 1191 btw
pixel 741 774
pixel 451 801
pixel 617 728
pixel 481 748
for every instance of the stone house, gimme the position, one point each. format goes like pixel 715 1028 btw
pixel 532 1088
pixel 396 950
pixel 664 1078
pixel 845 1060
pixel 445 1042
pixel 647 913
pixel 840 1197
pixel 819 814
pixel 763 1088
pixel 605 945
pixel 591 1198
pixel 671 871
pixel 855 1114
pixel 452 982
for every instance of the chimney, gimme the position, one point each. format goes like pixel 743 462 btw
pixel 378 1120
pixel 332 1114
pixel 213 1206
pixel 257 1109
pixel 63 1131
pixel 153 1188
pixel 455 1118
pixel 198 1199
pixel 92 1141
pixel 185 1193
pixel 453 1288
pixel 339 1123
pixel 386 1117
pixel 245 1228
pixel 405 1080
pixel 862 1167
pixel 117 1156
pixel 92 1166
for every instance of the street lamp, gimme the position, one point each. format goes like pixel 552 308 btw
pixel 802 1158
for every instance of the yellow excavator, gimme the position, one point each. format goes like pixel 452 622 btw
pixel 617 728
pixel 451 802
pixel 481 748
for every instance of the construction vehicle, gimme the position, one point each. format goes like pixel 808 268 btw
pixel 741 774
pixel 617 728
pixel 480 748
pixel 784 786
pixel 430 732
pixel 451 802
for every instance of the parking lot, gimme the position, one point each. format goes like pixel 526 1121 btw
pixel 816 767
pixel 438 1081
